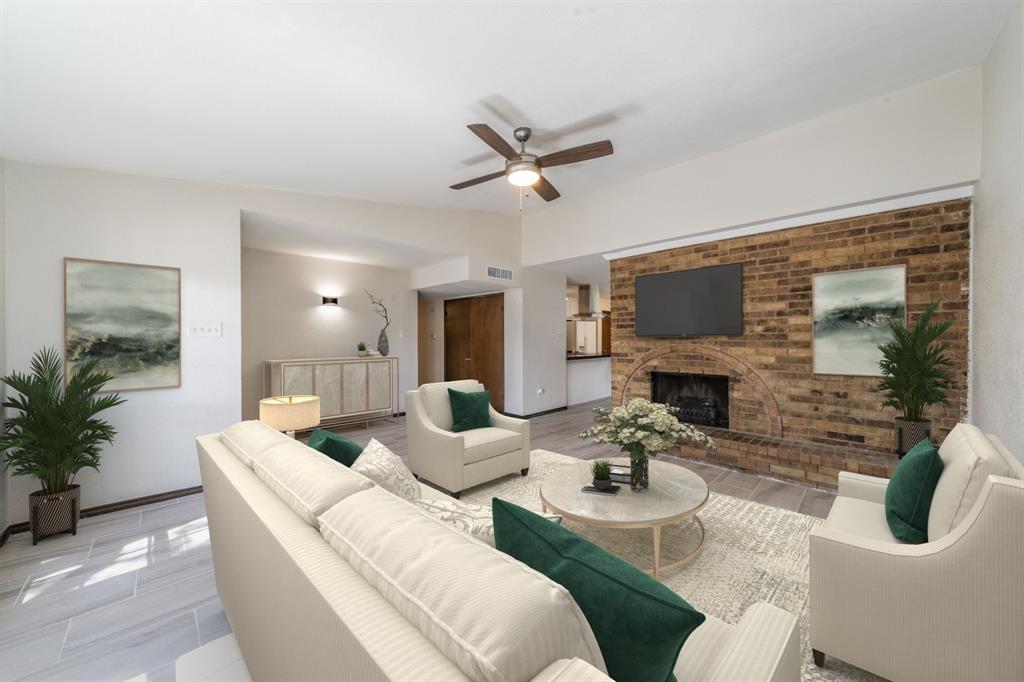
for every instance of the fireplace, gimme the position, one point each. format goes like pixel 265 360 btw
pixel 701 398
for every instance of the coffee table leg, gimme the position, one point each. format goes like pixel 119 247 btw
pixel 657 551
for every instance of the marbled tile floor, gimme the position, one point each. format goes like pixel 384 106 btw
pixel 129 594
pixel 134 590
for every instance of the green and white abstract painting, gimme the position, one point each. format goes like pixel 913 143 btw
pixel 852 310
pixel 126 316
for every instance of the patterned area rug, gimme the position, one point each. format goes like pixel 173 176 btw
pixel 751 553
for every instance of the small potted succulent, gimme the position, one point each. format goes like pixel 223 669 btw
pixel 53 433
pixel 361 349
pixel 602 470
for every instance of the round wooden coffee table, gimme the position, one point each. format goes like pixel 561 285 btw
pixel 675 495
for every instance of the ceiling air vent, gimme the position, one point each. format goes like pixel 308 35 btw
pixel 494 272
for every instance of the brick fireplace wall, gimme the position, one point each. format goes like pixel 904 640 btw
pixel 784 419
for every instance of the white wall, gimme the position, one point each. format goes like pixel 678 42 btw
pixel 283 315
pixel 56 212
pixel 587 380
pixel 998 260
pixel 53 212
pixel 535 343
pixel 920 138
pixel 3 347
pixel 514 315
pixel 431 340
pixel 543 324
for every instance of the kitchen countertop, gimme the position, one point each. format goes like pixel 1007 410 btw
pixel 586 356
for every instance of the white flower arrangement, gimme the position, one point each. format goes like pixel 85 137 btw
pixel 643 428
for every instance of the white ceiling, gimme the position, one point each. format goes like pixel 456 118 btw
pixel 371 100
pixel 286 235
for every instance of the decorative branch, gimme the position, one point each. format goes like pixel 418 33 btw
pixel 379 308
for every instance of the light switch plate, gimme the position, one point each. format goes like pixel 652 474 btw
pixel 206 330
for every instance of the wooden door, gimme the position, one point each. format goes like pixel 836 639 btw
pixel 474 343
pixel 487 345
pixel 457 360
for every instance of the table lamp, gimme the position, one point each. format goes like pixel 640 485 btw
pixel 290 413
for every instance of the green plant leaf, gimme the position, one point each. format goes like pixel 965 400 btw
pixel 54 432
pixel 915 366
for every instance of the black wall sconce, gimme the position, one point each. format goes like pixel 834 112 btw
pixel 330 300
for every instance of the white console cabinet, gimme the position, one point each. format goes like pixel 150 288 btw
pixel 353 389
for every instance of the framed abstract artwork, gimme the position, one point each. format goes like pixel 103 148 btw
pixel 851 311
pixel 127 317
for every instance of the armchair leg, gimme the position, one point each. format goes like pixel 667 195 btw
pixel 819 658
pixel 524 471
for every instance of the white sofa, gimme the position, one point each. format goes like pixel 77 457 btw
pixel 325 576
pixel 949 609
pixel 457 461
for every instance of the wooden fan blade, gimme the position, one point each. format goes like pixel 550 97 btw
pixel 477 181
pixel 584 152
pixel 545 189
pixel 493 140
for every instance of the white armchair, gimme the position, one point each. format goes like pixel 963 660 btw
pixel 457 461
pixel 949 609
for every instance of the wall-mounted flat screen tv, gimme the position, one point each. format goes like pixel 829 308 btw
pixel 701 302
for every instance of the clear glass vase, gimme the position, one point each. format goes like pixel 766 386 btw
pixel 639 473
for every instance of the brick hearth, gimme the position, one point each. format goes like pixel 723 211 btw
pixel 785 420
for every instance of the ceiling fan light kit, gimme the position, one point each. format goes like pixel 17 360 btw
pixel 525 170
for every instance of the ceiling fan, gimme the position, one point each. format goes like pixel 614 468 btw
pixel 524 170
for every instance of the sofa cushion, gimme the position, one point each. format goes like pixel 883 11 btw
pixel 861 518
pixel 489 442
pixel 640 624
pixel 470 409
pixel 387 470
pixel 969 458
pixel 250 439
pixel 908 497
pixel 475 519
pixel 305 480
pixel 335 446
pixel 438 405
pixel 491 615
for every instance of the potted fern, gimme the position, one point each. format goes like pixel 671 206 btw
pixel 915 375
pixel 53 434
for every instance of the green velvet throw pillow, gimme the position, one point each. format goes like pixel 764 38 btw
pixel 639 623
pixel 337 447
pixel 470 410
pixel 909 495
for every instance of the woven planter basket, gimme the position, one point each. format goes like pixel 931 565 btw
pixel 54 514
pixel 909 434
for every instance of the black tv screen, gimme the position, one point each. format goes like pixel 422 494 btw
pixel 701 302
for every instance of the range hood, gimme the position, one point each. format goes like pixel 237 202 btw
pixel 588 301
